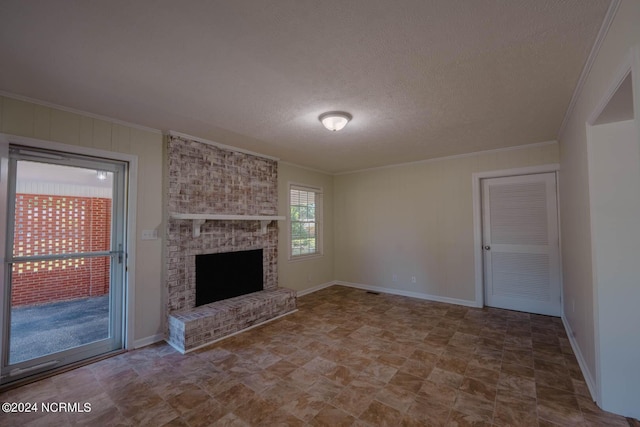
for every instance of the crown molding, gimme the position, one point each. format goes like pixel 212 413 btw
pixel 310 169
pixel 604 29
pixel 78 112
pixel 457 156
pixel 218 145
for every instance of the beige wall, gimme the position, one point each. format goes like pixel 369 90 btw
pixel 623 35
pixel 44 123
pixel 417 220
pixel 309 273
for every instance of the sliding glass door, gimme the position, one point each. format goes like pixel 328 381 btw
pixel 64 261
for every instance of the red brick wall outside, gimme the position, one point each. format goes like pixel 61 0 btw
pixel 46 225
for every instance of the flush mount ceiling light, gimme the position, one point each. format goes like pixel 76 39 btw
pixel 102 175
pixel 335 120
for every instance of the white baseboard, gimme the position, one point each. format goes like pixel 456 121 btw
pixel 419 295
pixel 143 342
pixel 314 288
pixel 588 378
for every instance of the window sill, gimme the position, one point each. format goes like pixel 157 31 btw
pixel 299 258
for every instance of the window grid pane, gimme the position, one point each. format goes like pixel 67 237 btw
pixel 304 222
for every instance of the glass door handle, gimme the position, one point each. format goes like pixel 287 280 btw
pixel 119 252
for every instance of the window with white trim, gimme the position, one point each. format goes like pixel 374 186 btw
pixel 305 218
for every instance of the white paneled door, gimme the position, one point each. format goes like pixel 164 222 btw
pixel 520 243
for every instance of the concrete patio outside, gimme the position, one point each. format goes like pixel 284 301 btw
pixel 38 330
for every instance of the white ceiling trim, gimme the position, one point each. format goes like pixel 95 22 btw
pixel 132 125
pixel 457 156
pixel 604 29
pixel 282 162
pixel 219 145
pixel 78 112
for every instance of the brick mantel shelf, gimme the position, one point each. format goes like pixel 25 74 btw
pixel 199 219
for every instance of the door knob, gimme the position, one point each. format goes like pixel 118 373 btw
pixel 487 248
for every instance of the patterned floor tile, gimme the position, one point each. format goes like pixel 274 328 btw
pixel 346 358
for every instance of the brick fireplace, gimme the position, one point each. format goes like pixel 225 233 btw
pixel 207 179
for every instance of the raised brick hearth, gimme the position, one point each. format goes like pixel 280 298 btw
pixel 206 179
pixel 192 328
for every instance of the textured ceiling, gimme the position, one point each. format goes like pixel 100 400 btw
pixel 422 79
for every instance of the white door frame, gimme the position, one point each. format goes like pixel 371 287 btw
pixel 131 210
pixel 477 217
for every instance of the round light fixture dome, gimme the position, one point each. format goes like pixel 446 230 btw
pixel 335 120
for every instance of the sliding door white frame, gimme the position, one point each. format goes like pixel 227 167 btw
pixel 131 198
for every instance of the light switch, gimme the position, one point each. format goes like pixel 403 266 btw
pixel 150 234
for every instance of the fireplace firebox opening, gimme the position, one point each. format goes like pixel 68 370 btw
pixel 228 274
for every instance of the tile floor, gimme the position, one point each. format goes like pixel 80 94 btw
pixel 347 357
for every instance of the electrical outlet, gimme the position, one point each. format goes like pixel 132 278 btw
pixel 394 278
pixel 413 279
pixel 149 234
